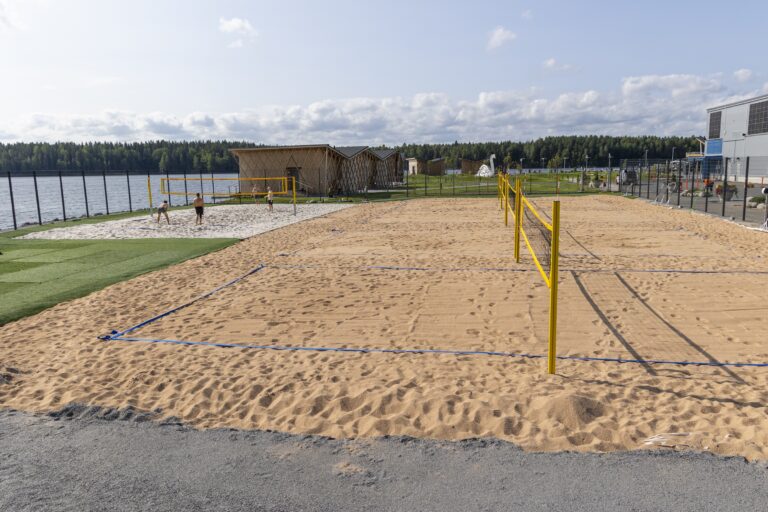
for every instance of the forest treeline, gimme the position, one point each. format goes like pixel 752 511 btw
pixel 556 152
pixel 214 156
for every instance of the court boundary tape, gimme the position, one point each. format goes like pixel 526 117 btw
pixel 120 336
pixel 437 351
pixel 116 334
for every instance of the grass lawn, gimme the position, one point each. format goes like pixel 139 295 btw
pixel 37 274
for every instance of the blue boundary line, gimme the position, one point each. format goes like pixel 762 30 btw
pixel 120 335
pixel 431 351
pixel 115 334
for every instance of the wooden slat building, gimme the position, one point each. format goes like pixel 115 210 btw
pixel 319 168
pixel 436 167
pixel 388 168
pixel 470 166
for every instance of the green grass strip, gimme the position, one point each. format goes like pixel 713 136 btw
pixel 37 274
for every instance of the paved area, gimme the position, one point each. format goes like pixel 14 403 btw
pixel 90 459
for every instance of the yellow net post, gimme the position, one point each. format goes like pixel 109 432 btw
pixel 506 203
pixel 518 218
pixel 498 190
pixel 553 278
pixel 149 192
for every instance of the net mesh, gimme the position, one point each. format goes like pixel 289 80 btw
pixel 224 187
pixel 539 237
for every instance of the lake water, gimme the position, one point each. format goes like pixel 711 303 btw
pixel 74 192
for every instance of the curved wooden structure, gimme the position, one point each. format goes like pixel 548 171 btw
pixel 321 169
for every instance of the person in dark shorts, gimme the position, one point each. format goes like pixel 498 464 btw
pixel 162 209
pixel 270 198
pixel 198 203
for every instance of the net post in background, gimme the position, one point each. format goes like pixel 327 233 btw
pixel 518 220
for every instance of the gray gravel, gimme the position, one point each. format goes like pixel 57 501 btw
pixel 90 459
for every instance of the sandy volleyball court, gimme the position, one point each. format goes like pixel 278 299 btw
pixel 637 281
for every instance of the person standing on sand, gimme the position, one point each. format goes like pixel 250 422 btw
pixel 198 203
pixel 162 209
pixel 255 193
pixel 270 198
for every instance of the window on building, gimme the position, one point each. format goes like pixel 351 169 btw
pixel 758 118
pixel 714 124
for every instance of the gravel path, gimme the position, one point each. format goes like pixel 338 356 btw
pixel 89 463
pixel 226 221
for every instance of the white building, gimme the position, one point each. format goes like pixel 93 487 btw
pixel 736 131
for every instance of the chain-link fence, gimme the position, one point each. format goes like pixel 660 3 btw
pixel 701 184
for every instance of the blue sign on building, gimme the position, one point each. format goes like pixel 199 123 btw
pixel 714 147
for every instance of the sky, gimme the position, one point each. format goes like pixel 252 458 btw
pixel 372 72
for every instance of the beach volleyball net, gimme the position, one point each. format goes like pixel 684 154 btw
pixel 226 188
pixel 541 235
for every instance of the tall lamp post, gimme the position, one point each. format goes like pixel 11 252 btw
pixel 584 173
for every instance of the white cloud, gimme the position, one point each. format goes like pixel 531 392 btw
pixel 743 74
pixel 499 36
pixel 552 65
pixel 238 27
pixel 765 87
pixel 527 14
pixel 650 104
pixel 9 22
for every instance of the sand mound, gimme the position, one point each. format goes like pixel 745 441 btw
pixel 572 410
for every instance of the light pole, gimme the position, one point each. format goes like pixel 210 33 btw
pixel 521 165
pixel 725 171
pixel 584 173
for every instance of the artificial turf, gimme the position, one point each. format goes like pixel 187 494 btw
pixel 37 274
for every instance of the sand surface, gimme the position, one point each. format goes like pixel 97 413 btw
pixel 223 221
pixel 637 280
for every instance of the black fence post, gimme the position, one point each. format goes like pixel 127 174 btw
pixel 407 173
pixel 453 182
pixel 202 190
pixel 666 185
pixel 37 198
pixel 213 189
pixel 13 207
pixel 724 192
pixel 693 181
pixel 61 191
pixel 149 185
pixel 106 196
pixel 425 184
pixel 648 186
pixel 679 181
pixel 168 184
pixel 746 189
pixel 85 195
pixel 186 191
pixel 128 183
pixel 657 181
